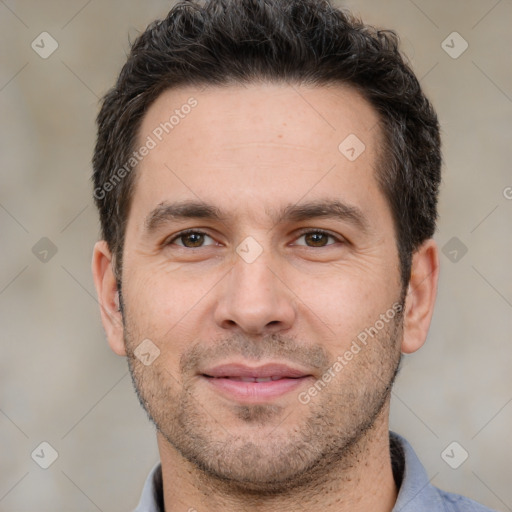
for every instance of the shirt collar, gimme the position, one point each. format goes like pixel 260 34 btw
pixel 416 493
pixel 152 498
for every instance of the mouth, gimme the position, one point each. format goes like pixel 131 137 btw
pixel 252 379
pixel 255 384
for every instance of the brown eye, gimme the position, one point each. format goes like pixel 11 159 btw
pixel 190 239
pixel 317 238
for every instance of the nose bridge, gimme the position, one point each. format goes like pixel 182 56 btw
pixel 253 297
pixel 251 273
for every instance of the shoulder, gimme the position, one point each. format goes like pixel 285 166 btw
pixel 415 492
pixel 457 503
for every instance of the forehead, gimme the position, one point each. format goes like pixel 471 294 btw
pixel 312 117
pixel 270 142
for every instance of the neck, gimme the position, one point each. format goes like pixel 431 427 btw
pixel 361 480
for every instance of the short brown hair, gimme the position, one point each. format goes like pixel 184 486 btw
pixel 222 42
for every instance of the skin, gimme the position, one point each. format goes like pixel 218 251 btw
pixel 251 150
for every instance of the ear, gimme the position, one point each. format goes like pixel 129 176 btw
pixel 421 296
pixel 108 297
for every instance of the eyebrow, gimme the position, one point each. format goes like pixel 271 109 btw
pixel 166 212
pixel 323 208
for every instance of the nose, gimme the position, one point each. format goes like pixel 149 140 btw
pixel 254 299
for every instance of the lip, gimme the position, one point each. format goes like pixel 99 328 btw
pixel 227 379
pixel 263 371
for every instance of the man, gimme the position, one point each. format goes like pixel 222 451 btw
pixel 267 173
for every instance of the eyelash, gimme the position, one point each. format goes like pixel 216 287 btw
pixel 301 234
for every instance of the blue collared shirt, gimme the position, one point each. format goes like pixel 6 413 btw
pixel 416 493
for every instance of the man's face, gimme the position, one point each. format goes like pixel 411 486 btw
pixel 261 291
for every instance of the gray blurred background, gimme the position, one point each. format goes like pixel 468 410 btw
pixel 60 383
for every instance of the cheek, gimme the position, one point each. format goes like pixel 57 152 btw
pixel 342 307
pixel 161 296
pixel 162 306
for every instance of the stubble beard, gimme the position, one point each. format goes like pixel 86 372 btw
pixel 331 431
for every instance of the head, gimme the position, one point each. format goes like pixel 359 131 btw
pixel 270 117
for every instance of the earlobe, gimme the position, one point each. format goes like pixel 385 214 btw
pixel 108 297
pixel 421 296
